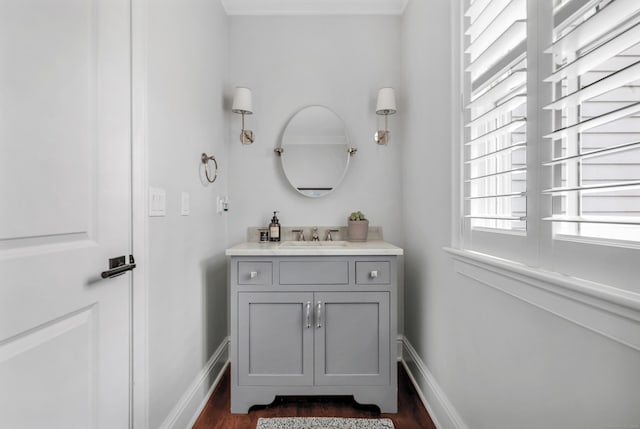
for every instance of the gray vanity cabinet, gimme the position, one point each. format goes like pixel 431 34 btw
pixel 313 326
pixel 275 344
pixel 352 339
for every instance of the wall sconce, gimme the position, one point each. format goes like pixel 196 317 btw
pixel 386 106
pixel 242 104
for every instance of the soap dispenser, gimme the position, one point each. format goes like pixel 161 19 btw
pixel 274 228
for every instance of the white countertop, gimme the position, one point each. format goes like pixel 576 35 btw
pixel 322 248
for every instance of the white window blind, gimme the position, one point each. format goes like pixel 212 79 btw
pixel 595 141
pixel 495 137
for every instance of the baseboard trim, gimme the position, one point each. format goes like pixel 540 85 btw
pixel 441 410
pixel 192 402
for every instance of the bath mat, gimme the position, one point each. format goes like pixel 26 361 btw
pixel 322 423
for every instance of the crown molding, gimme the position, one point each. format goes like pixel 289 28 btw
pixel 314 7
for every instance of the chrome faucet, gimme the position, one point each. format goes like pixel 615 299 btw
pixel 329 231
pixel 300 235
pixel 315 236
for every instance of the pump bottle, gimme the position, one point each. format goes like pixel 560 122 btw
pixel 274 228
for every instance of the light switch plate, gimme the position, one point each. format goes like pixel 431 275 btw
pixel 185 209
pixel 157 202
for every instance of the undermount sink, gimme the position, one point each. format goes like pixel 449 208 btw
pixel 312 244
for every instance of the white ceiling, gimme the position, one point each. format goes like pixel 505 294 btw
pixel 314 7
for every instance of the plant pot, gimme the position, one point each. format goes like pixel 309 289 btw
pixel 358 230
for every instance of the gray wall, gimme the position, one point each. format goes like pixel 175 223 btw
pixel 426 179
pixel 293 61
pixel 187 307
pixel 502 361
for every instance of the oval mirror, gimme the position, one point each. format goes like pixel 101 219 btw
pixel 314 151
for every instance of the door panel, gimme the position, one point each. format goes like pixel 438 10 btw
pixel 60 355
pixel 352 346
pixel 276 346
pixel 65 189
pixel 351 324
pixel 48 113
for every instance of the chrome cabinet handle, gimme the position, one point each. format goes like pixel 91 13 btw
pixel 308 314
pixel 319 315
pixel 253 274
pixel 374 274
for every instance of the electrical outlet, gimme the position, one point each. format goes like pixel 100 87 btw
pixel 222 204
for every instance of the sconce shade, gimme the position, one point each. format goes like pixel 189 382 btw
pixel 386 102
pixel 242 102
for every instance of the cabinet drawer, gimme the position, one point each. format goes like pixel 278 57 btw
pixel 314 273
pixel 377 272
pixel 255 273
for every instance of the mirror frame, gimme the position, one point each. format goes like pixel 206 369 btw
pixel 349 151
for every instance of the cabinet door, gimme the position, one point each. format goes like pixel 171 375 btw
pixel 352 340
pixel 275 338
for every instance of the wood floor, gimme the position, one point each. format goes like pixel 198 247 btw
pixel 216 415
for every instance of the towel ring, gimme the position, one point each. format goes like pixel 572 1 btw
pixel 205 160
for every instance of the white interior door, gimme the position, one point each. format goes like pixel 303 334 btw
pixel 65 186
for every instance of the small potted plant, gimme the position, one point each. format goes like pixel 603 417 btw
pixel 358 227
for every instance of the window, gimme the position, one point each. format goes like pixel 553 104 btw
pixel 550 144
pixel 495 138
pixel 595 140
